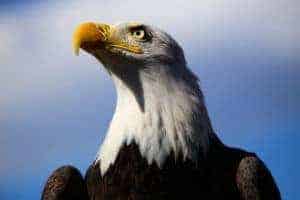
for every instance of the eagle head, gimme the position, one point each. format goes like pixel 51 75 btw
pixel 128 47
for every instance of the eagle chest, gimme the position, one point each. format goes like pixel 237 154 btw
pixel 131 177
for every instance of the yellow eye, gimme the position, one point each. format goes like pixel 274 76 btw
pixel 139 34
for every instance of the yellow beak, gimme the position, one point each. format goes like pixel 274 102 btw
pixel 90 33
pixel 93 34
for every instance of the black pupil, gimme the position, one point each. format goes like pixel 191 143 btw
pixel 138 33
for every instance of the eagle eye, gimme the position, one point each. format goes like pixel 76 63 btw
pixel 139 33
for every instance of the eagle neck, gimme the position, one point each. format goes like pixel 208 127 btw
pixel 161 114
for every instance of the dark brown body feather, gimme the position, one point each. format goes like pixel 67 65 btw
pixel 65 183
pixel 226 173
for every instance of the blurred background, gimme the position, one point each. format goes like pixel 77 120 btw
pixel 55 108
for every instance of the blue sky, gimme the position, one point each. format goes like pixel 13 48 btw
pixel 55 107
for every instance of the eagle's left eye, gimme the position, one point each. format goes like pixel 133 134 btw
pixel 139 34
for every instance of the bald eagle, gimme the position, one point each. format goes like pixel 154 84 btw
pixel 160 144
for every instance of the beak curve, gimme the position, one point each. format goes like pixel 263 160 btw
pixel 91 35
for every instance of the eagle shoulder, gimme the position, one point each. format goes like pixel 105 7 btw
pixel 66 182
pixel 254 180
